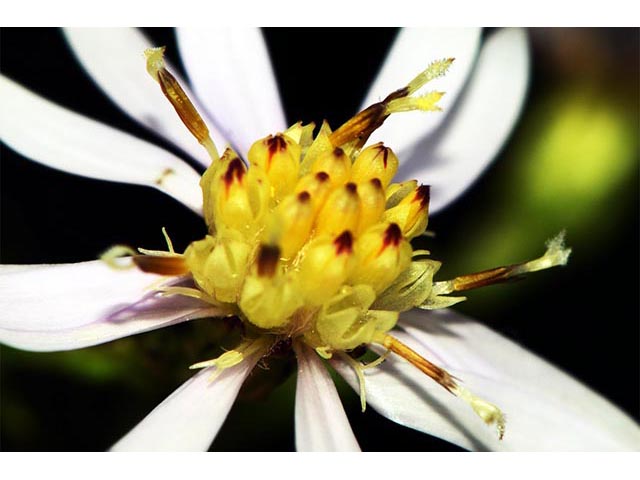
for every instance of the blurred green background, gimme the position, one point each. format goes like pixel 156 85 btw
pixel 571 163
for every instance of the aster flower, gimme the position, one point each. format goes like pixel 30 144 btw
pixel 235 276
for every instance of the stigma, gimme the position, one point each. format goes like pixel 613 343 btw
pixel 309 238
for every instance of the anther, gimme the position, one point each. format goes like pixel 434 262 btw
pixel 335 163
pixel 344 243
pixel 489 413
pixel 290 224
pixel 267 260
pixel 340 212
pixel 373 203
pixel 318 186
pixel 322 176
pixel 392 236
pixel 376 161
pixel 412 212
pixel 161 265
pixel 357 129
pixel 279 157
pixel 325 267
pixel 381 253
pixel 441 376
pixel 179 100
pixel 234 197
pixel 556 255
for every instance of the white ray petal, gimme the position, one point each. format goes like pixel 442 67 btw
pixel 321 423
pixel 412 51
pixel 231 73
pixel 189 419
pixel 114 58
pixel 62 139
pixel 454 156
pixel 546 409
pixel 68 306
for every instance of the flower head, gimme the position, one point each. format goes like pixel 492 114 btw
pixel 309 245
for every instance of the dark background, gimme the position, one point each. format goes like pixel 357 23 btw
pixel 583 318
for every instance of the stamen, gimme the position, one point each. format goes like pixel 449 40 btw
pixel 357 129
pixel 489 413
pixel 162 265
pixel 556 255
pixel 179 99
pixel 267 261
pixel 436 373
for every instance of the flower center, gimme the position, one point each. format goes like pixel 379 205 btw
pixel 306 238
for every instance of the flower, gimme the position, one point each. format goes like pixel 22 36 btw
pixel 187 418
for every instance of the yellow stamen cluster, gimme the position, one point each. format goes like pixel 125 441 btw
pixel 307 251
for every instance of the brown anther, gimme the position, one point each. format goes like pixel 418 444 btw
pixel 376 183
pixel 275 144
pixel 360 127
pixel 322 176
pixel 235 170
pixel 338 152
pixel 344 243
pixel 304 197
pixel 351 188
pixel 484 278
pixel 385 154
pixel 423 195
pixel 161 265
pixel 183 106
pixel 392 236
pixel 438 374
pixel 268 257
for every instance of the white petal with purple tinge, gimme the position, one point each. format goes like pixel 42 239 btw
pixel 114 58
pixel 189 419
pixel 69 306
pixel 453 156
pixel 231 73
pixel 61 139
pixel 321 423
pixel 412 51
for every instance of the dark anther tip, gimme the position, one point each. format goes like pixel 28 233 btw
pixel 234 170
pixel 322 176
pixel 392 235
pixel 423 195
pixel 268 257
pixel 276 143
pixel 304 197
pixel 344 243
pixel 376 183
pixel 351 187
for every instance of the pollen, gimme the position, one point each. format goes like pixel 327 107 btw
pixel 309 238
